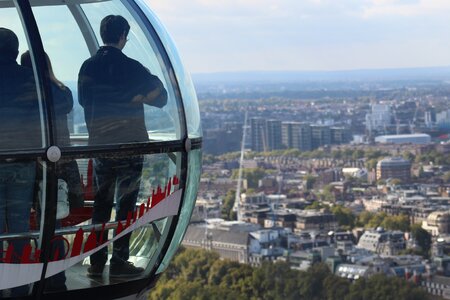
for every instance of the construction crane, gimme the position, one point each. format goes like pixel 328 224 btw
pixel 279 179
pixel 412 124
pixel 397 122
pixel 237 199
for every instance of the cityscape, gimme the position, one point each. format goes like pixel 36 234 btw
pixel 352 174
pixel 225 150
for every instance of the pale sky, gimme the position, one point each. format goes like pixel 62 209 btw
pixel 278 35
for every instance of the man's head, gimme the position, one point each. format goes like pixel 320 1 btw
pixel 9 43
pixel 114 29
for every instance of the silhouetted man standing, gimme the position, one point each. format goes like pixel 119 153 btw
pixel 113 89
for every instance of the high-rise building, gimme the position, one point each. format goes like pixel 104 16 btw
pixel 340 135
pixel 222 140
pixel 297 135
pixel 273 134
pixel 430 117
pixel 321 136
pixel 394 167
pixel 443 119
pixel 286 134
pixel 379 118
pixel 258 134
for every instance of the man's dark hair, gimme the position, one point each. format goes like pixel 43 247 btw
pixel 112 28
pixel 9 43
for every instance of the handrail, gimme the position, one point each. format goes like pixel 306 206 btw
pixel 66 230
pixel 61 231
pixel 81 139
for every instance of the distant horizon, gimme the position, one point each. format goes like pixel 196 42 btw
pixel 324 70
pixel 357 75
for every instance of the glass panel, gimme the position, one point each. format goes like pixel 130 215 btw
pixel 91 247
pixel 21 128
pixel 21 191
pixel 62 39
pixel 193 179
pixel 127 97
pixel 162 124
pixel 184 79
pixel 112 102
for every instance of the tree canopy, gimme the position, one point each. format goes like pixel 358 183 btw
pixel 199 274
pixel 252 176
pixel 227 212
pixel 372 220
pixel 423 239
pixel 434 157
pixel 344 216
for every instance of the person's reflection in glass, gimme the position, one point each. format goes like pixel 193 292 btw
pixel 113 89
pixel 67 170
pixel 19 128
pixel 63 105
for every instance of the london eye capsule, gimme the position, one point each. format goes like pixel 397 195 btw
pixel 100 149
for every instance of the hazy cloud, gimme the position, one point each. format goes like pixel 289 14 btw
pixel 228 35
pixel 406 8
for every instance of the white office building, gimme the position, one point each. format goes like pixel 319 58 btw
pixel 379 118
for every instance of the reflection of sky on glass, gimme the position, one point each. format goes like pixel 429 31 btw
pixel 9 18
pixel 62 40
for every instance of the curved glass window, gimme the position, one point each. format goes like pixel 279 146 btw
pixel 118 106
pixel 193 179
pixel 93 166
pixel 22 128
pixel 184 79
pixel 105 223
pixel 66 51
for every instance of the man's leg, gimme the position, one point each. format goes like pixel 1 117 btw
pixel 20 194
pixel 2 216
pixel 3 200
pixel 57 282
pixel 127 192
pixel 68 171
pixel 19 202
pixel 105 178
